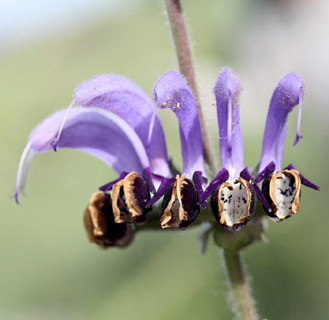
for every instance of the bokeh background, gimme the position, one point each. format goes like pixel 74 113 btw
pixel 47 269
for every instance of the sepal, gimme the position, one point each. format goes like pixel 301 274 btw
pixel 100 225
pixel 129 199
pixel 282 191
pixel 180 204
pixel 233 203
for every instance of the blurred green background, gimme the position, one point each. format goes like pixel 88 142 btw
pixel 49 271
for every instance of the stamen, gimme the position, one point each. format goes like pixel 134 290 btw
pixel 23 168
pixel 229 125
pixel 150 133
pixel 55 142
pixel 298 136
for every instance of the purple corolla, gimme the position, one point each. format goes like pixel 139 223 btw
pixel 232 195
pixel 282 188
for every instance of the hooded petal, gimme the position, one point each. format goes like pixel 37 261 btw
pixel 227 91
pixel 123 97
pixel 288 93
pixel 97 132
pixel 172 91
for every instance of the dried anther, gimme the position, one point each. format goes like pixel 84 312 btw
pixel 100 225
pixel 180 204
pixel 233 203
pixel 129 198
pixel 282 191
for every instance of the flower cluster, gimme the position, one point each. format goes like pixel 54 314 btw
pixel 118 123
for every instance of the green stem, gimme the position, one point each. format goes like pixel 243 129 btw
pixel 243 302
pixel 185 62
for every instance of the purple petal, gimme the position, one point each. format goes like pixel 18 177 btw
pixel 303 180
pixel 220 178
pixel 308 183
pixel 165 183
pixel 287 94
pixel 298 136
pixel 123 97
pixel 227 91
pixel 245 174
pixel 97 132
pixel 172 91
pixel 268 170
pixel 55 142
pixel 109 186
pixel 23 168
pixel 290 167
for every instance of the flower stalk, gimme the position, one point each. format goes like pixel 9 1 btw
pixel 185 62
pixel 243 302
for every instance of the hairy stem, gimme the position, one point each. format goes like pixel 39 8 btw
pixel 184 56
pixel 243 302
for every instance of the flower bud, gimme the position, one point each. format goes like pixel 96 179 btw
pixel 282 190
pixel 180 204
pixel 233 203
pixel 129 198
pixel 100 225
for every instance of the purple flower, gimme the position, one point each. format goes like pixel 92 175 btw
pixel 171 91
pixel 282 188
pixel 232 195
pixel 180 206
pixel 118 123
